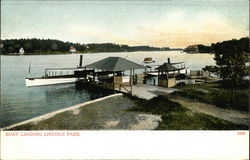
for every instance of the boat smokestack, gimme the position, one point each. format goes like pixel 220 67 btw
pixel 168 60
pixel 80 63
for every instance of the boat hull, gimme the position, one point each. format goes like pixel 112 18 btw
pixel 32 82
pixel 147 62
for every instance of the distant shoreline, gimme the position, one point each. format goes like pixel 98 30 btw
pixel 34 54
pixel 51 46
pixel 37 53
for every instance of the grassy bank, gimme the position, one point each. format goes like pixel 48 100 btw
pixel 217 94
pixel 106 114
pixel 176 117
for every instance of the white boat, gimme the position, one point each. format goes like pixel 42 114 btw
pixel 32 82
pixel 57 76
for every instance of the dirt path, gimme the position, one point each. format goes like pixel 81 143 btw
pixel 234 116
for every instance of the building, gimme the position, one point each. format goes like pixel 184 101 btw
pixel 199 74
pixel 192 49
pixel 110 73
pixel 167 73
pixel 72 49
pixel 21 51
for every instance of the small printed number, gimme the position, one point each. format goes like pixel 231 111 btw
pixel 241 133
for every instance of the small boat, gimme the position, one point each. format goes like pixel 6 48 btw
pixel 148 60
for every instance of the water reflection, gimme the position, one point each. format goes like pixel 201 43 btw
pixel 75 91
pixel 93 92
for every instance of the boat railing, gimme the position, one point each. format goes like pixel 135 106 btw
pixel 179 65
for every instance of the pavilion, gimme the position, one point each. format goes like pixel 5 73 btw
pixel 110 73
pixel 167 72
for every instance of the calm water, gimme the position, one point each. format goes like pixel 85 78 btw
pixel 19 103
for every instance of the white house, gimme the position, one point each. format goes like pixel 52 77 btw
pixel 21 51
pixel 72 49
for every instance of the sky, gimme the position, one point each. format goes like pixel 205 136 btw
pixel 160 23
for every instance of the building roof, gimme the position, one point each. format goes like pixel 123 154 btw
pixel 167 67
pixel 114 64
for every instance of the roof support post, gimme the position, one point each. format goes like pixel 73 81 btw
pixel 158 76
pixel 113 80
pixel 167 79
pixel 131 81
pixel 133 76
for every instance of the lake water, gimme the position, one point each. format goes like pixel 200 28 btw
pixel 19 103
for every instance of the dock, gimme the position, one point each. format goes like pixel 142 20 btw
pixel 146 91
pixel 118 74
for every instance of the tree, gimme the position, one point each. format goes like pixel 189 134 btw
pixel 204 49
pixel 28 46
pixel 231 58
pixel 54 46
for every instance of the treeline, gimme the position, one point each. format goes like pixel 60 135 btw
pixel 50 46
pixel 39 46
pixel 110 47
pixel 204 49
pixel 243 42
pixel 143 48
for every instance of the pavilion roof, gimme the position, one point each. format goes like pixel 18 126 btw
pixel 167 67
pixel 115 64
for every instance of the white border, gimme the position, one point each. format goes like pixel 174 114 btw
pixel 128 145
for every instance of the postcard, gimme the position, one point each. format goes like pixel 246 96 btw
pixel 165 79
